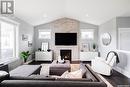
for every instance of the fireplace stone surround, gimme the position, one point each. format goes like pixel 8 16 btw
pixel 74 52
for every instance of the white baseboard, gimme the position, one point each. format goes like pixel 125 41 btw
pixel 122 71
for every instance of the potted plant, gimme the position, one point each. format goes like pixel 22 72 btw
pixel 24 55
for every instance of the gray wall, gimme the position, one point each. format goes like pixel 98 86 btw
pixel 112 28
pixel 82 25
pixel 89 26
pixel 70 26
pixel 109 27
pixel 123 22
pixel 24 28
pixel 37 42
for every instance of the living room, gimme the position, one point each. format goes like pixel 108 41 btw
pixel 37 35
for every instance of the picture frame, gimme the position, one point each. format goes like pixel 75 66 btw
pixel 85 47
pixel 25 37
pixel 29 43
pixel 44 46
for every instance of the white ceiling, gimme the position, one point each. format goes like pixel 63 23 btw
pixel 96 12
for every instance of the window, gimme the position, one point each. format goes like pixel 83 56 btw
pixel 87 34
pixel 8 45
pixel 45 34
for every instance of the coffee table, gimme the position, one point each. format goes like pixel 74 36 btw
pixel 59 68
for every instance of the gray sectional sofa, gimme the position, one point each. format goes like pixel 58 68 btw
pixel 90 79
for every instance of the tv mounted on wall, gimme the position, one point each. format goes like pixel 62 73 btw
pixel 65 38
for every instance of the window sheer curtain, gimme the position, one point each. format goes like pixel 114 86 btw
pixel 8 41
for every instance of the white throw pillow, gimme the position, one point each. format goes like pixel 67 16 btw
pixel 75 75
pixel 55 76
pixel 64 74
pixel 2 73
pixel 109 58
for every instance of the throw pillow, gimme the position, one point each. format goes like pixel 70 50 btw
pixel 64 74
pixel 3 73
pixel 55 76
pixel 74 75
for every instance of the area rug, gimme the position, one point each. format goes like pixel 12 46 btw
pixel 45 71
pixel 74 67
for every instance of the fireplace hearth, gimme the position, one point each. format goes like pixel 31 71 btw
pixel 65 54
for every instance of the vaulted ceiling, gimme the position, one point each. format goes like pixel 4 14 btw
pixel 96 12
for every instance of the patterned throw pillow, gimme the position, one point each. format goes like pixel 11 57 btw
pixel 75 75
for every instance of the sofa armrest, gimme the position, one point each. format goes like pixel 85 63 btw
pixel 32 77
pixel 4 77
pixel 45 83
pixel 70 79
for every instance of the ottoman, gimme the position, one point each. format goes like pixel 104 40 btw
pixel 59 68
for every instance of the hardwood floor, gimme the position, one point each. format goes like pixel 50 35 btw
pixel 39 62
pixel 116 79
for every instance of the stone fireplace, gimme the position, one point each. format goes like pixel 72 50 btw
pixel 65 54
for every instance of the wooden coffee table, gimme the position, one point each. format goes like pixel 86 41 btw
pixel 59 68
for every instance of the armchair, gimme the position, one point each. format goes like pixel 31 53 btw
pixel 104 66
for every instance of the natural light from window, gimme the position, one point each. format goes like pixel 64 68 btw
pixel 87 34
pixel 8 40
pixel 45 34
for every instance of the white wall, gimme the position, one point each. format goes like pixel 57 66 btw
pixel 112 27
pixel 124 66
pixel 24 28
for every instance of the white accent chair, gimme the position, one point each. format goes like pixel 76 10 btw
pixel 104 65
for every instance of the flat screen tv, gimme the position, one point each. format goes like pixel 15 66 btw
pixel 65 38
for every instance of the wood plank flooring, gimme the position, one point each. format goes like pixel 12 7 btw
pixel 118 80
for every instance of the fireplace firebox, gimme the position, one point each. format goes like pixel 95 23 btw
pixel 65 54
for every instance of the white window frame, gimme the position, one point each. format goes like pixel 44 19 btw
pixel 87 30
pixel 44 30
pixel 16 40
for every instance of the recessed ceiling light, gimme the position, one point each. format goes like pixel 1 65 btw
pixel 45 15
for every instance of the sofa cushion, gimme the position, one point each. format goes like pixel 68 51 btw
pixel 24 70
